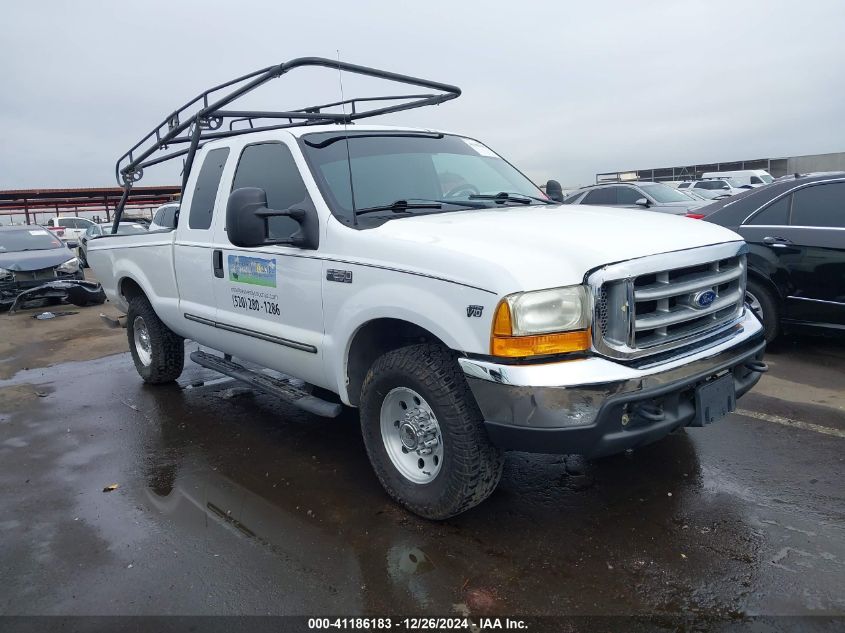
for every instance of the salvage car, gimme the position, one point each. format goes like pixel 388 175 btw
pixel 420 277
pixel 35 264
pixel 97 230
pixel 795 230
pixel 642 195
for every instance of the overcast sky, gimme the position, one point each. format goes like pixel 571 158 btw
pixel 561 89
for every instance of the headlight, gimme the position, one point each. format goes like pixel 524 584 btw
pixel 70 266
pixel 542 322
pixel 5 273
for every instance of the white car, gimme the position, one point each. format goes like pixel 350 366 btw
pixel 165 216
pixel 421 278
pixel 73 227
pixel 747 178
pixel 723 185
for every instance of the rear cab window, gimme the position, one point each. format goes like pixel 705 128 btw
pixel 205 190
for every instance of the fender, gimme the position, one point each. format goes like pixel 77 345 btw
pixel 438 308
pixel 161 291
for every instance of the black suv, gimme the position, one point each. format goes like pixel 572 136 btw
pixel 795 231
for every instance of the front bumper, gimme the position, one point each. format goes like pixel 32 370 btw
pixel 595 406
pixel 72 288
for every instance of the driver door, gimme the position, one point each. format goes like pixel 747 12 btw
pixel 269 298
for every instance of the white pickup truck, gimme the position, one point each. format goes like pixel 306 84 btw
pixel 420 277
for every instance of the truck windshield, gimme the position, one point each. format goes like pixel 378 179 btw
pixel 386 167
pixel 31 238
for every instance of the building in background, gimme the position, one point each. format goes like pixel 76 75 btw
pixel 775 166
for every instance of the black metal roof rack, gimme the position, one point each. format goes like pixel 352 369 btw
pixel 204 117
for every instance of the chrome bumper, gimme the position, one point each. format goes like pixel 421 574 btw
pixel 589 405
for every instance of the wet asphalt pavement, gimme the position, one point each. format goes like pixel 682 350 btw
pixel 244 505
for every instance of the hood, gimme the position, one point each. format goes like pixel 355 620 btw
pixel 528 248
pixel 34 260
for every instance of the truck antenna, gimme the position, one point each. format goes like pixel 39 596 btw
pixel 346 139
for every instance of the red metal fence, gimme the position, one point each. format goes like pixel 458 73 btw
pixel 35 206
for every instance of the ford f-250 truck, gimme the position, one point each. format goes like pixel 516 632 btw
pixel 420 277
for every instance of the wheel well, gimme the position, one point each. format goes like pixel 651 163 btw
pixel 129 289
pixel 767 283
pixel 374 339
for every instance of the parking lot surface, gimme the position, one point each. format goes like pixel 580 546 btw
pixel 229 502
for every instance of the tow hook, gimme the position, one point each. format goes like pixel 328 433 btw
pixel 757 365
pixel 650 412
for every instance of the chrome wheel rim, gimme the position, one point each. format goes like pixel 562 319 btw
pixel 411 435
pixel 754 303
pixel 143 347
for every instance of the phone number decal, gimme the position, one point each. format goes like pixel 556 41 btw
pixel 256 305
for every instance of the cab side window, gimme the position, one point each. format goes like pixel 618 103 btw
pixel 271 167
pixel 819 205
pixel 205 191
pixel 776 214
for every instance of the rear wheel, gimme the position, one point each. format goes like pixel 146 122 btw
pixel 158 353
pixel 762 303
pixel 424 433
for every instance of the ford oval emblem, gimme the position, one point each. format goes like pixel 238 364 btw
pixel 703 298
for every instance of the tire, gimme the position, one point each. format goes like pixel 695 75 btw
pixel 158 353
pixel 765 307
pixel 83 261
pixel 469 466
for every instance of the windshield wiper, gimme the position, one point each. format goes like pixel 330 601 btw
pixel 399 206
pixel 403 206
pixel 508 196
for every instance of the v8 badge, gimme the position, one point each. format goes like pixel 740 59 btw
pixel 474 311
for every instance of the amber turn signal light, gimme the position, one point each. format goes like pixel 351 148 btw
pixel 502 343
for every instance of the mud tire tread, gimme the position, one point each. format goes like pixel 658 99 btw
pixel 168 348
pixel 472 465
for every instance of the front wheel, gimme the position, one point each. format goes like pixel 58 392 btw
pixel 424 433
pixel 159 353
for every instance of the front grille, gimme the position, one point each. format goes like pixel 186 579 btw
pixel 35 275
pixel 656 308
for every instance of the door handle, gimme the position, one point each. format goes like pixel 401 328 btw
pixel 217 263
pixel 777 241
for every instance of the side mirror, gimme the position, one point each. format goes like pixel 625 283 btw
pixel 554 191
pixel 247 223
pixel 642 202
pixel 72 244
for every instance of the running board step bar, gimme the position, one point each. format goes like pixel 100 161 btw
pixel 273 386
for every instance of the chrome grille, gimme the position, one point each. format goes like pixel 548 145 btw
pixel 665 307
pixel 658 303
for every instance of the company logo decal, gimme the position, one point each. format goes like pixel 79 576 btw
pixel 252 270
pixel 703 298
